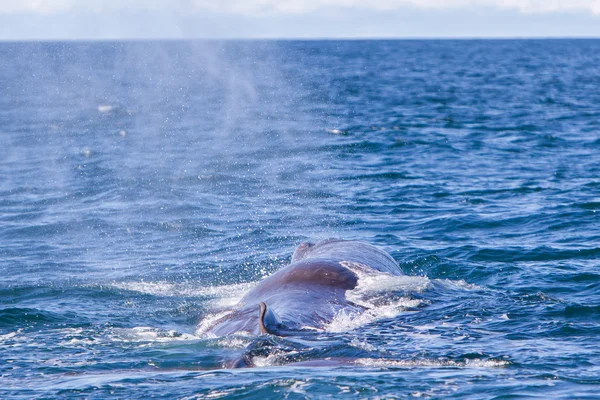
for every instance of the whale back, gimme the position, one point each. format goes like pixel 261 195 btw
pixel 349 251
pixel 308 293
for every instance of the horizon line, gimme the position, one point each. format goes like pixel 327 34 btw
pixel 299 39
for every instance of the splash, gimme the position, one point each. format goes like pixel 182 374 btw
pixel 235 342
pixel 208 322
pixel 362 344
pixel 7 336
pixel 275 358
pixel 222 296
pixel 148 334
pixel 346 320
pixel 383 295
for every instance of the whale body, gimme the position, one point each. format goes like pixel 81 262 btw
pixel 306 294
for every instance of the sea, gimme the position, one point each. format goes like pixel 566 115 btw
pixel 145 186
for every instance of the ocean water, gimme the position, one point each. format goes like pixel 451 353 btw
pixel 145 186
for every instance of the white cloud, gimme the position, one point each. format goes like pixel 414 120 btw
pixel 305 6
pixel 90 6
pixel 34 6
pixel 254 7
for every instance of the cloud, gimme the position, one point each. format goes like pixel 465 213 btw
pixel 286 7
pixel 33 6
pixel 306 6
pixel 88 6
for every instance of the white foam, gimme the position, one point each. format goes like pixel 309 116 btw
pixel 7 336
pixel 458 284
pixel 349 320
pixel 362 344
pixel 215 394
pixel 235 342
pixel 81 342
pixel 149 334
pixel 299 387
pixel 372 282
pixel 208 322
pixel 378 293
pixel 221 300
pixel 272 359
pixel 75 337
pixel 224 296
pixel 475 363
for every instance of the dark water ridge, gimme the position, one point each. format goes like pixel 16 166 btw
pixel 146 186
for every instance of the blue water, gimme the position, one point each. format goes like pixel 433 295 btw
pixel 145 186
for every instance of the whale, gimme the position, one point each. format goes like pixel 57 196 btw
pixel 307 294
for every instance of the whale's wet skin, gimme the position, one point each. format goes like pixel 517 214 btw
pixel 308 294
pixel 305 297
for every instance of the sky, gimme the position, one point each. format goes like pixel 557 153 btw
pixel 310 19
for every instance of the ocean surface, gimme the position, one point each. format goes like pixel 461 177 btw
pixel 146 186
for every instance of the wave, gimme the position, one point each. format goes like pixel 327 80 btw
pixel 14 316
pixel 220 297
pixel 471 363
pixel 148 334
